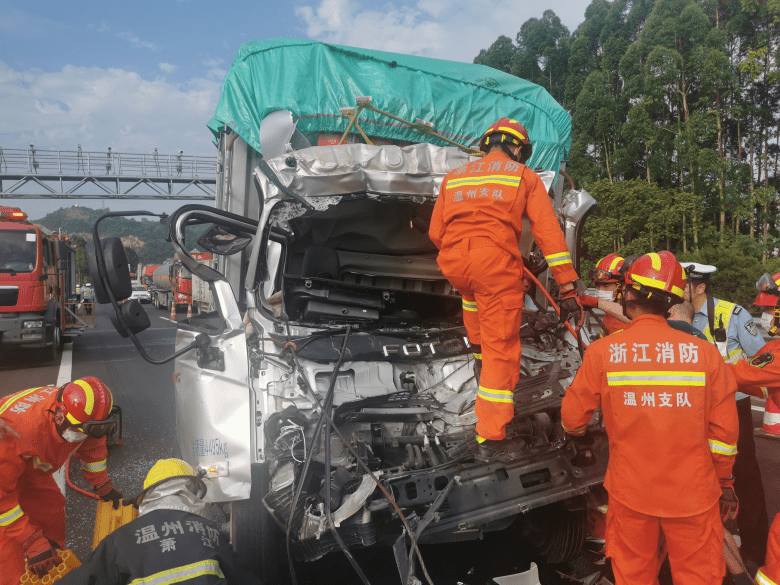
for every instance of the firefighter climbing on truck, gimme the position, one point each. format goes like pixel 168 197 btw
pixel 480 258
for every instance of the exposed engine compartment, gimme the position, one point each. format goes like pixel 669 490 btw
pixel 417 439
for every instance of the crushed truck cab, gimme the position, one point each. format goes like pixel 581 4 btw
pixel 329 393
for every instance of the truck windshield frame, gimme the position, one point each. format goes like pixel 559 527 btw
pixel 18 251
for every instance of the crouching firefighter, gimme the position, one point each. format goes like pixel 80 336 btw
pixel 667 400
pixel 52 424
pixel 173 540
pixel 476 224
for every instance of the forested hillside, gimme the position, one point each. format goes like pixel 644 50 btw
pixel 675 108
pixel 143 238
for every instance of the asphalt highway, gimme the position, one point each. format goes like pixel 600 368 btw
pixel 145 394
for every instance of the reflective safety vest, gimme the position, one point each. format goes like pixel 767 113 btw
pixel 723 311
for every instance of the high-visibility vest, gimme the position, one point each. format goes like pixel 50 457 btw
pixel 724 310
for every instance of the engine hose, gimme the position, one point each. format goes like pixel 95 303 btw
pixel 74 487
pixel 328 406
pixel 529 274
pixel 367 471
pixel 323 417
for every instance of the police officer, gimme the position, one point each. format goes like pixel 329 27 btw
pixel 732 329
pixel 173 540
pixel 669 413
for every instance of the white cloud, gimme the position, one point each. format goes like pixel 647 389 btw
pixel 104 107
pixel 135 41
pixel 214 69
pixel 103 28
pixel 446 29
pixel 167 67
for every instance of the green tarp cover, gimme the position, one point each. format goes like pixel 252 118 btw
pixel 313 80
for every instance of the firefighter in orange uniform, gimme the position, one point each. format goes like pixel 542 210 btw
pixel 769 574
pixel 760 375
pixel 52 424
pixel 606 276
pixel 476 224
pixel 667 400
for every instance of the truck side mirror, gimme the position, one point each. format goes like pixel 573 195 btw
pixel 223 241
pixel 117 271
pixel 134 315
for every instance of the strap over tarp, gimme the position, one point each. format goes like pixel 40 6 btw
pixel 313 80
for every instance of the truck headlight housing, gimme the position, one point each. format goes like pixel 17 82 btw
pixel 32 324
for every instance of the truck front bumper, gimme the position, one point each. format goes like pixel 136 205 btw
pixel 14 332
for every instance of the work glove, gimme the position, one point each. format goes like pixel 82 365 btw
pixel 583 449
pixel 41 553
pixel 729 504
pixel 569 305
pixel 108 493
pixel 588 301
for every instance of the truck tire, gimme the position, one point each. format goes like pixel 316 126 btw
pixel 559 533
pixel 56 346
pixel 256 538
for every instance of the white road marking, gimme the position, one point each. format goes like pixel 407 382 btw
pixel 63 376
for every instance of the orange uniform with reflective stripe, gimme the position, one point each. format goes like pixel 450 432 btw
pixel 488 198
pixel 476 224
pixel 769 574
pixel 668 404
pixel 29 496
pixel 669 410
pixel 760 375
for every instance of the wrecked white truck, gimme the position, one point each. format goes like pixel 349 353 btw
pixel 330 394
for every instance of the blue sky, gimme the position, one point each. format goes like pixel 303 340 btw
pixel 139 75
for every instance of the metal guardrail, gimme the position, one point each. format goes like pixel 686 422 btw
pixel 77 162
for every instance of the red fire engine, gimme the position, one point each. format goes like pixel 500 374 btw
pixel 38 301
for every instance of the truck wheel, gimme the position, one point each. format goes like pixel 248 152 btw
pixel 558 533
pixel 256 538
pixel 54 350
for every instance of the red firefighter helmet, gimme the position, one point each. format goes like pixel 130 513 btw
pixel 504 131
pixel 765 299
pixel 607 271
pixel 658 272
pixel 85 400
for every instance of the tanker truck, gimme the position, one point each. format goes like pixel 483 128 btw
pixel 172 285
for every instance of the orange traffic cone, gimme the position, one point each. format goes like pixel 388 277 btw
pixel 189 311
pixel 771 424
pixel 173 311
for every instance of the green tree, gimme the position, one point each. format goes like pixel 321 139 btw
pixel 499 56
pixel 543 52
